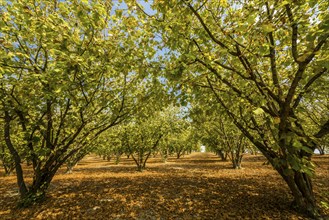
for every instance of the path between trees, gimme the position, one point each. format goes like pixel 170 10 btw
pixel 197 186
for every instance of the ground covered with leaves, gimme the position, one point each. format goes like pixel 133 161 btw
pixel 197 186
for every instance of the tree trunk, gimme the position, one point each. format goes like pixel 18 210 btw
pixel 236 163
pixel 164 156
pixel 236 158
pixel 140 167
pixel 19 171
pixel 139 161
pixel 179 154
pixel 321 150
pixel 301 187
pixel 9 168
pixel 70 166
pixel 222 155
pixel 37 191
pixel 71 163
pixel 69 169
pixel 253 152
pixel 299 182
pixel 117 158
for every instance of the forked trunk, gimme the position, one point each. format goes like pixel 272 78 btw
pixel 140 167
pixel 19 171
pixel 164 157
pixel 222 155
pixel 117 158
pixel 37 191
pixel 140 160
pixel 9 168
pixel 321 150
pixel 236 163
pixel 69 168
pixel 236 158
pixel 301 187
pixel 179 154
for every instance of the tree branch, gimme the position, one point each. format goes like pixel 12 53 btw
pixel 294 35
pixel 236 90
pixel 273 55
pixel 268 153
pixel 323 131
pixel 212 37
pixel 308 84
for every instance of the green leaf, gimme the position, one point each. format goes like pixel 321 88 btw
pixel 267 28
pixel 307 149
pixel 283 3
pixel 312 3
pixel 308 171
pixel 324 63
pixel 258 111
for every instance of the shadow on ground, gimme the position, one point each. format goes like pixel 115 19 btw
pixel 191 188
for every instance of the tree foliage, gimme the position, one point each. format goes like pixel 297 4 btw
pixel 69 71
pixel 260 59
pixel 219 134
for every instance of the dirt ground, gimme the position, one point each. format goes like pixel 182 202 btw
pixel 197 186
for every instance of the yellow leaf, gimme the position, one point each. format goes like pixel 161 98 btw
pixel 276 120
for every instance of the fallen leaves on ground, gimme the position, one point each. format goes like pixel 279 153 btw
pixel 198 186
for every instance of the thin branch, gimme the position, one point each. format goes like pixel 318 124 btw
pixel 259 84
pixel 220 64
pixel 316 49
pixel 61 123
pixel 294 35
pixel 323 131
pixel 273 55
pixel 307 85
pixel 15 67
pixel 236 90
pixel 208 30
pixel 201 5
pixel 148 15
pixel 269 154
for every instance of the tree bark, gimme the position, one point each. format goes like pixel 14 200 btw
pixel 237 163
pixel 321 150
pixel 222 155
pixel 301 187
pixel 40 184
pixel 19 171
pixel 69 168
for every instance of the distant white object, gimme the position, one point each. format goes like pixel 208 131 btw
pixel 203 149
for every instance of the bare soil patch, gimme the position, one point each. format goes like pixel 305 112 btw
pixel 197 186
